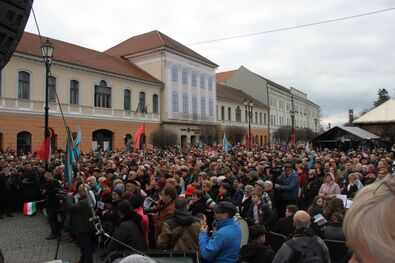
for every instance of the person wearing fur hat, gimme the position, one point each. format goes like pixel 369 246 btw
pixel 329 189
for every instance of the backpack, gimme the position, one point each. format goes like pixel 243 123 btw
pixel 307 250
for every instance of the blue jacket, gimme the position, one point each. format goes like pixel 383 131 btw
pixel 224 245
pixel 289 187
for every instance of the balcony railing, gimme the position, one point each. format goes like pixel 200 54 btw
pixel 241 124
pixel 69 109
pixel 191 117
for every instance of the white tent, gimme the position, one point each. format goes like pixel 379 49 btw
pixel 385 113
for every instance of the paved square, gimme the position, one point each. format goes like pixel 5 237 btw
pixel 22 239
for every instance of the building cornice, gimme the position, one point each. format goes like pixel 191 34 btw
pixel 86 69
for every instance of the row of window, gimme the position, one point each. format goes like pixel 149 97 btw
pixel 185 79
pixel 185 104
pixel 102 97
pixel 262 117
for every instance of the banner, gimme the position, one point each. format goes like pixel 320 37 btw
pixel 225 143
pixel 44 152
pixel 137 136
pixel 69 160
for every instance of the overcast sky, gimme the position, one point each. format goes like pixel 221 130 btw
pixel 340 65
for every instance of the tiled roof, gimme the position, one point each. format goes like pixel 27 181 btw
pixel 237 95
pixel 150 41
pixel 224 76
pixel 84 57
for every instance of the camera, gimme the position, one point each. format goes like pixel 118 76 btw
pixel 151 210
pixel 208 200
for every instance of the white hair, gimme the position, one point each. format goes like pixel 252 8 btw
pixel 369 221
pixel 135 258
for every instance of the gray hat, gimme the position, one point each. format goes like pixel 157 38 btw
pixel 260 182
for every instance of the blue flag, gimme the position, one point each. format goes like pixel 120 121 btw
pixel 225 143
pixel 76 146
pixel 69 160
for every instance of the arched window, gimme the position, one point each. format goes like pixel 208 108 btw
pixel 194 107
pixel 23 85
pixel 102 140
pixel 174 73
pixel 238 114
pixel 74 90
pixel 127 100
pixel 185 103
pixel 210 107
pixel 203 106
pixel 155 103
pixel 24 142
pixel 210 83
pixel 175 101
pixel 229 113
pixel 184 77
pixel 194 79
pixel 141 107
pixel 51 88
pixel 202 82
pixel 102 95
pixel 222 113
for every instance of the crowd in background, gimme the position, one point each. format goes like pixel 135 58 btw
pixel 173 199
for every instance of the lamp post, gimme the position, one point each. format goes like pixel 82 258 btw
pixel 47 51
pixel 249 106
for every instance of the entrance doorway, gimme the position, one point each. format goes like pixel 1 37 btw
pixel 193 140
pixel 102 140
pixel 184 141
pixel 24 142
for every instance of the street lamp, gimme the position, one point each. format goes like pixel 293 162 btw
pixel 47 51
pixel 293 136
pixel 249 106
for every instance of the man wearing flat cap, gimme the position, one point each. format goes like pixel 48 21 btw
pixel 224 244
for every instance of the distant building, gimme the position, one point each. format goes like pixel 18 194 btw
pixel 284 103
pixel 231 112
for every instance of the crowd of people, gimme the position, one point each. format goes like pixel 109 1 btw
pixel 187 199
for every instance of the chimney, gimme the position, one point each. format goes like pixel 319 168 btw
pixel 350 116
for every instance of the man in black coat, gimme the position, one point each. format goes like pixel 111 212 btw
pixel 256 251
pixel 285 225
pixel 51 190
pixel 129 230
pixel 80 224
pixel 5 193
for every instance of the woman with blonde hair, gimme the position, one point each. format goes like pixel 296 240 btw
pixel 369 225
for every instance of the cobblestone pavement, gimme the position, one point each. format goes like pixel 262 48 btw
pixel 22 239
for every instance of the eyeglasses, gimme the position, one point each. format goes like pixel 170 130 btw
pixel 387 181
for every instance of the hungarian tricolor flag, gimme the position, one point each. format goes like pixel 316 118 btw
pixel 29 208
pixel 137 136
pixel 44 152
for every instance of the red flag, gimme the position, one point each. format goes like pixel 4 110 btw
pixel 137 136
pixel 44 152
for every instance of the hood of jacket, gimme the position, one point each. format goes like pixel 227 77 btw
pixel 181 218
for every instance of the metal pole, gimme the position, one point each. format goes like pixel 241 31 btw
pixel 249 126
pixel 46 133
